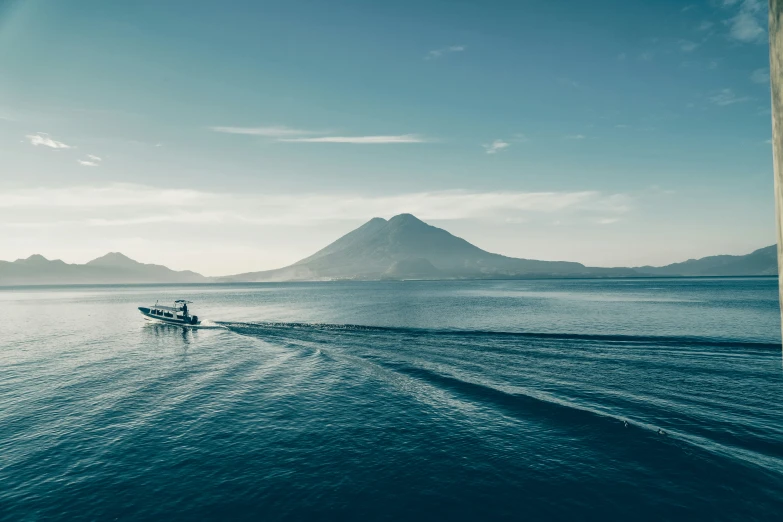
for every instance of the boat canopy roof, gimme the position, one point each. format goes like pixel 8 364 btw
pixel 170 308
pixel 178 305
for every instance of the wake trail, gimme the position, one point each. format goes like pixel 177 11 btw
pixel 292 328
pixel 601 423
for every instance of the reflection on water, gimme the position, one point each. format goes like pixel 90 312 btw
pixel 171 331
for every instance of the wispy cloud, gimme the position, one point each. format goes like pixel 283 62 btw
pixel 268 132
pixel 495 147
pixel 575 137
pixel 688 46
pixel 705 26
pixel 291 135
pixel 91 161
pixel 114 195
pixel 43 139
pixel 746 28
pixel 760 76
pixel 138 205
pixel 726 97
pixel 368 140
pixel 748 24
pixel 437 53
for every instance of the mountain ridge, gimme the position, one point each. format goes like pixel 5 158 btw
pixel 403 247
pixel 112 268
pixel 762 261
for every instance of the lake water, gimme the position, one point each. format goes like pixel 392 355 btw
pixel 395 401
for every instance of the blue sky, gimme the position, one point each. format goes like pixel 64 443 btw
pixel 234 136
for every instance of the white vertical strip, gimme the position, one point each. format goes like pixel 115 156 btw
pixel 776 79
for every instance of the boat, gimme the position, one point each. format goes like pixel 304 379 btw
pixel 177 314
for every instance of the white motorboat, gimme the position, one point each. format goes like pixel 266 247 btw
pixel 177 314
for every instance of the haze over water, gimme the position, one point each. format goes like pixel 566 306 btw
pixel 410 400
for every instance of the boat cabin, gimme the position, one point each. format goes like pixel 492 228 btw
pixel 177 314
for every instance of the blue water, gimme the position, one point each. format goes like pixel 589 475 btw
pixel 395 401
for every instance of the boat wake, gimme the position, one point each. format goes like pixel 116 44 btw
pixel 546 376
pixel 206 324
pixel 291 328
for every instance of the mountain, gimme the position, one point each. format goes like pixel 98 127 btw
pixel 413 268
pixel 763 261
pixel 404 247
pixel 116 260
pixel 113 268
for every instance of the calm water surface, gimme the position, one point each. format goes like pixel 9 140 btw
pixel 520 400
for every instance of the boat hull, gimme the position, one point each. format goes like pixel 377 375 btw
pixel 167 320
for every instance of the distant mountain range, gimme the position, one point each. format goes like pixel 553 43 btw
pixel 761 262
pixel 403 247
pixel 113 268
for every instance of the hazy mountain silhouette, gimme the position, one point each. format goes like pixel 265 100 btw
pixel 763 261
pixel 405 247
pixel 113 268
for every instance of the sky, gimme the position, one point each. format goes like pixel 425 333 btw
pixel 234 136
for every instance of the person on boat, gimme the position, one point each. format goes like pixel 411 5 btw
pixel 185 309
